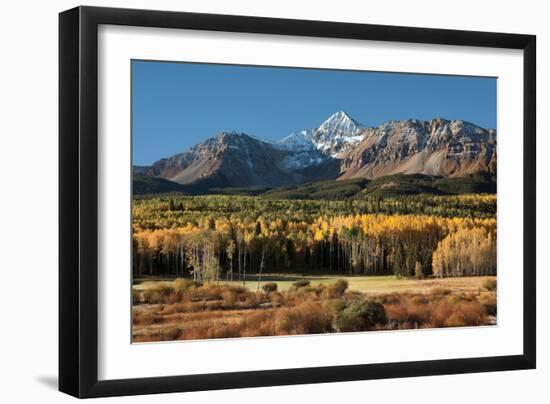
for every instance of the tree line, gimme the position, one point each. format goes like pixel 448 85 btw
pixel 211 239
pixel 173 210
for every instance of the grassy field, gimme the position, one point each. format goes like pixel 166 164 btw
pixel 364 284
pixel 166 310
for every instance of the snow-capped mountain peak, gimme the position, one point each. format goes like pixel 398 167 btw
pixel 333 137
pixel 340 123
pixel 338 148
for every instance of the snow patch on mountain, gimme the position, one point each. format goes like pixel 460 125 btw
pixel 297 141
pixel 333 137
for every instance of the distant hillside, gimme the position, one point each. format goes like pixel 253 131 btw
pixel 330 189
pixel 479 183
pixel 357 188
pixel 142 184
pixel 389 186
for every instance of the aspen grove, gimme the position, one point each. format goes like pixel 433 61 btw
pixel 215 237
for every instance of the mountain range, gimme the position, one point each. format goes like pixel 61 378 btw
pixel 340 148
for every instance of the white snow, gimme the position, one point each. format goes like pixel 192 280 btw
pixel 332 137
pixel 340 123
pixel 297 141
pixel 303 159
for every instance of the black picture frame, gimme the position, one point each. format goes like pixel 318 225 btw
pixel 78 201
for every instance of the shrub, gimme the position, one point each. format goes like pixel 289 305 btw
pixel 269 287
pixel 335 306
pixel 173 297
pixel 338 288
pixel 206 292
pixel 441 312
pixel 182 307
pixel 231 330
pixel 420 299
pixel 182 285
pixel 143 317
pixel 229 299
pixel 258 324
pixel 457 298
pixel 490 285
pixel 318 290
pixel 489 302
pixel 277 299
pixel 171 334
pixel 213 305
pixel 136 297
pixel 419 312
pixel 302 283
pixel 390 298
pixel 466 314
pixel 438 291
pixel 168 309
pixel 146 295
pixel 158 294
pixel 396 312
pixel 252 300
pixel 355 295
pixel 152 296
pixel 361 316
pixel 471 297
pixel 306 318
pixel 163 290
pixel 237 289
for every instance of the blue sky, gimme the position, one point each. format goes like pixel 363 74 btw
pixel 176 105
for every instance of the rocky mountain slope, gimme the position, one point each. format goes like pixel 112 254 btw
pixel 340 148
pixel 436 147
pixel 237 159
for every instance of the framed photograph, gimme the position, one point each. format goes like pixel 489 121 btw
pixel 251 202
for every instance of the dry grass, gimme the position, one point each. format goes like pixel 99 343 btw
pixel 226 311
